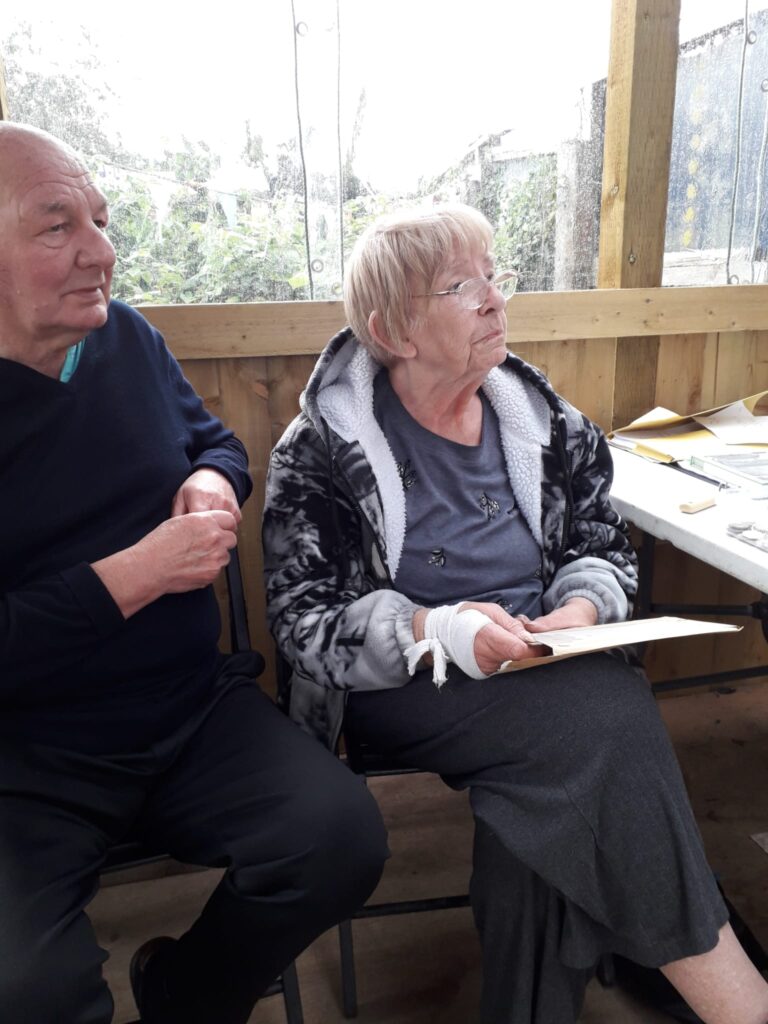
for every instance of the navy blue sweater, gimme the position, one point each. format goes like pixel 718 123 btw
pixel 88 468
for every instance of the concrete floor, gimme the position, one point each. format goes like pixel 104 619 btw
pixel 425 968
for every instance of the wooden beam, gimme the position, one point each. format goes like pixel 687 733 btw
pixel 245 330
pixel 640 101
pixel 636 312
pixel 222 330
pixel 639 104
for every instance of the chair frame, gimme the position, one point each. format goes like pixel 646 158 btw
pixel 371 765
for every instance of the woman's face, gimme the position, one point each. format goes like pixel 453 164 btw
pixel 451 340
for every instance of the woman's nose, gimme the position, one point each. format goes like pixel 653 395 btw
pixel 494 299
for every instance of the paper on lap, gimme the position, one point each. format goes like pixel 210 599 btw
pixel 567 643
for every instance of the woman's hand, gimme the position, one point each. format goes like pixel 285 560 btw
pixel 506 639
pixel 576 612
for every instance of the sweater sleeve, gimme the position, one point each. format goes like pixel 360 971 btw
pixel 210 444
pixel 599 562
pixel 49 625
pixel 330 622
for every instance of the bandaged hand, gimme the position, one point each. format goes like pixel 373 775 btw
pixel 478 637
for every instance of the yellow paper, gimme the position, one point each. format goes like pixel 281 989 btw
pixel 664 436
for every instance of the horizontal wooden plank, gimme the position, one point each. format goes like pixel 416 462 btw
pixel 636 312
pixel 243 330
pixel 303 328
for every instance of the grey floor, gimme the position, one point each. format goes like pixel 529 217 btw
pixel 424 969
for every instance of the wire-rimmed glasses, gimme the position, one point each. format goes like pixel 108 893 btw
pixel 473 293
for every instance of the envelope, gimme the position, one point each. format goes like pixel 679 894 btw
pixel 664 436
pixel 568 643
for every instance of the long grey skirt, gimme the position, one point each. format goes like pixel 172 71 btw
pixel 569 766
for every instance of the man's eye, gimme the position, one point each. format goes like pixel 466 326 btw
pixel 56 229
pixel 454 289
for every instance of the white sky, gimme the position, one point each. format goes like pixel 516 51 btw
pixel 437 73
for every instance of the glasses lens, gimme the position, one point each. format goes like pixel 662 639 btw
pixel 472 293
pixel 507 284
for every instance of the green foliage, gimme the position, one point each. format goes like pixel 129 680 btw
pixel 525 231
pixel 178 240
pixel 194 256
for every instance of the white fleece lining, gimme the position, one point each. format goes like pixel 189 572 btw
pixel 524 419
pixel 347 406
pixel 346 403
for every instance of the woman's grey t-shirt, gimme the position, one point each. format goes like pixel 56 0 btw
pixel 465 537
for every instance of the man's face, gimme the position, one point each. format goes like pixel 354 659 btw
pixel 55 260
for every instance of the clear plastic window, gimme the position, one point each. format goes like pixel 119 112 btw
pixel 244 152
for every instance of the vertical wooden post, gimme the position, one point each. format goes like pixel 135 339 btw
pixel 640 102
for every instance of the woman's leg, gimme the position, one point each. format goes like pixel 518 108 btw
pixel 723 986
pixel 519 919
pixel 570 767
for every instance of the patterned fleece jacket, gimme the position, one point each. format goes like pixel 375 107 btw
pixel 334 527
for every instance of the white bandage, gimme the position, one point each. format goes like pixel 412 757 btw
pixel 449 635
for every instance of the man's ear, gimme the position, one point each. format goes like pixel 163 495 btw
pixel 380 335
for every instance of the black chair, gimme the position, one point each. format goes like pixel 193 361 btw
pixel 365 761
pixel 130 855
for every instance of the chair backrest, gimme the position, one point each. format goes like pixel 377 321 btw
pixel 239 634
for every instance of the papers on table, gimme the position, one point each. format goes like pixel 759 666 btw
pixel 742 422
pixel 747 468
pixel 567 643
pixel 663 436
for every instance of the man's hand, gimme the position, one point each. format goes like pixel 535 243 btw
pixel 203 491
pixel 184 553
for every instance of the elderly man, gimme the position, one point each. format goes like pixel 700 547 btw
pixel 120 502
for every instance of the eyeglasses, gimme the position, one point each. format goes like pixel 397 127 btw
pixel 473 293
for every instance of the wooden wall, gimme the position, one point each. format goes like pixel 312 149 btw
pixel 250 363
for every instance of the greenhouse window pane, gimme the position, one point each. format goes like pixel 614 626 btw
pixel 717 223
pixel 244 153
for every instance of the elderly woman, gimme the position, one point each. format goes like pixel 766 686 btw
pixel 434 505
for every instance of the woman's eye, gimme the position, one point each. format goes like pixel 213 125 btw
pixel 454 289
pixel 56 229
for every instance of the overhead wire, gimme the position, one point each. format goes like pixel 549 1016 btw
pixel 338 142
pixel 759 188
pixel 732 278
pixel 305 188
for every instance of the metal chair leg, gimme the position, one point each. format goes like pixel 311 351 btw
pixel 606 971
pixel 294 1013
pixel 348 978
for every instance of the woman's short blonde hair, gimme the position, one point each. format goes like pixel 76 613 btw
pixel 400 256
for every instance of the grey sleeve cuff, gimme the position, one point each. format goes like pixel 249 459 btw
pixel 596 580
pixel 404 629
pixel 381 663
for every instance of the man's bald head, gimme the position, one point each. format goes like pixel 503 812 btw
pixel 55 259
pixel 22 148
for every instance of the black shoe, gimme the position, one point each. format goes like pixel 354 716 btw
pixel 145 989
